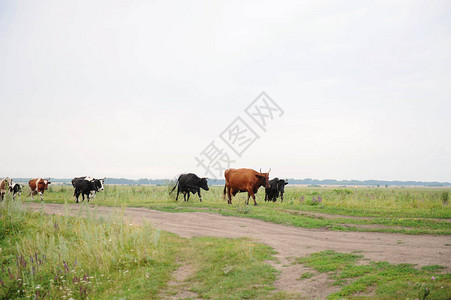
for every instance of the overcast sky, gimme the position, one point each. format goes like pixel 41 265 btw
pixel 138 89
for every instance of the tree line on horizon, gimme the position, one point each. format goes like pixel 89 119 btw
pixel 306 181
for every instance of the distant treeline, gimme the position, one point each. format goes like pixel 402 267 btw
pixel 306 181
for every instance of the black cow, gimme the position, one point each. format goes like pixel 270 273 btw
pixel 86 186
pixel 15 188
pixel 190 182
pixel 276 188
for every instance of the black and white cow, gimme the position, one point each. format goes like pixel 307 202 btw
pixel 87 186
pixel 190 182
pixel 15 189
pixel 276 188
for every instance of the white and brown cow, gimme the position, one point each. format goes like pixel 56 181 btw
pixel 4 186
pixel 38 186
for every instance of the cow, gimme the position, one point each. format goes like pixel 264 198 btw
pixel 190 182
pixel 276 188
pixel 4 186
pixel 89 178
pixel 38 186
pixel 244 180
pixel 15 188
pixel 86 186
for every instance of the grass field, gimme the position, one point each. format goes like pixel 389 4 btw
pixel 400 210
pixel 61 257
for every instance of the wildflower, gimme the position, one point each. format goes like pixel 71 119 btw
pixel 433 278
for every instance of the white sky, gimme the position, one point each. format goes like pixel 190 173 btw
pixel 139 88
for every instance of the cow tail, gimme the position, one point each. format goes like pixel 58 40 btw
pixel 176 183
pixel 224 192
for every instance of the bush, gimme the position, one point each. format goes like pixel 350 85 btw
pixel 445 198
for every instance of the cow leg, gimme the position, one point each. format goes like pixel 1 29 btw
pixel 229 195
pixel 200 197
pixel 178 191
pixel 76 195
pixel 281 197
pixel 187 196
pixel 253 197
pixel 41 194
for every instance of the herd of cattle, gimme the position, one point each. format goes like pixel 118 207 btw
pixel 236 181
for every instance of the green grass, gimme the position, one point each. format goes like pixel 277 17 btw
pixel 398 210
pixel 306 275
pixel 231 269
pixel 59 257
pixel 381 279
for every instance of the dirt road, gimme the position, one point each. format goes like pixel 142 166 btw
pixel 289 241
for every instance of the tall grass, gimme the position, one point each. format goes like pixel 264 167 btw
pixel 58 257
pixel 391 209
pixel 430 202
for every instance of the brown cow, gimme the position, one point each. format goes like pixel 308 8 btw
pixel 4 186
pixel 38 186
pixel 244 180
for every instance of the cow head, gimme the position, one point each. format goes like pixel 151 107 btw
pixel 204 183
pixel 264 177
pixel 99 184
pixel 281 185
pixel 43 184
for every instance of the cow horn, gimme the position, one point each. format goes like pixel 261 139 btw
pixel 269 170
pixel 260 170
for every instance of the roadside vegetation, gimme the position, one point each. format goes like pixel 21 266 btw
pixel 396 210
pixel 359 277
pixel 60 257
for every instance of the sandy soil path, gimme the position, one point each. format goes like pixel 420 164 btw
pixel 288 241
